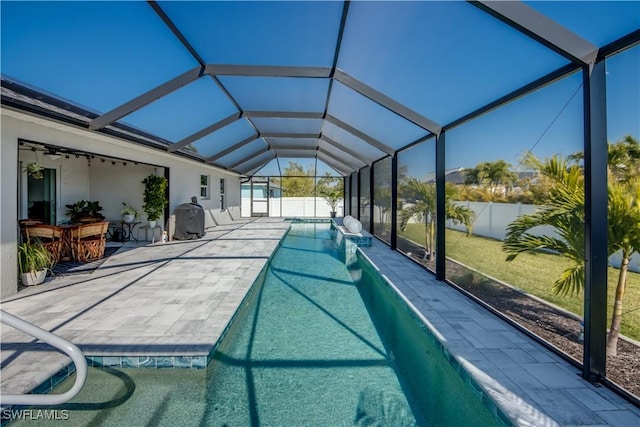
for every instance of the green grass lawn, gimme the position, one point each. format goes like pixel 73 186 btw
pixel 533 273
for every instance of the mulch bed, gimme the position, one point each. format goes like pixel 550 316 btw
pixel 543 320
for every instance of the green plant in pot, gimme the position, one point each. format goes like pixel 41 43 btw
pixel 128 213
pixel 84 211
pixel 34 170
pixel 155 200
pixel 34 260
pixel 332 191
pixel 333 198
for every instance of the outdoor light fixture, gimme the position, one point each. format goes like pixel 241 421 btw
pixel 52 155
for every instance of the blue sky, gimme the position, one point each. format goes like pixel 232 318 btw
pixel 442 59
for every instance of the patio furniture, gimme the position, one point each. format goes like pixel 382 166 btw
pixel 49 235
pixel 88 241
pixel 146 229
pixel 122 231
pixel 25 223
pixel 29 221
pixel 66 253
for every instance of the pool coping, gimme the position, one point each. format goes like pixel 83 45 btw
pixel 494 409
pixel 179 357
pixel 513 393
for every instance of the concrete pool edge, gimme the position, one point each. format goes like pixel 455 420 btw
pixel 529 382
pixel 194 354
pixel 478 390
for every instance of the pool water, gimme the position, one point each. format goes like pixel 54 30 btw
pixel 310 346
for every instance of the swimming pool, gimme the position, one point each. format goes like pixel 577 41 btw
pixel 309 346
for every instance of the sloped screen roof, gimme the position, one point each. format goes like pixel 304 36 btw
pixel 242 85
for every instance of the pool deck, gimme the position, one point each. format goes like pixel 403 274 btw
pixel 159 305
pixel 165 305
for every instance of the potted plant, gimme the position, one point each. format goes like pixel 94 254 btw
pixel 34 170
pixel 155 200
pixel 84 211
pixel 128 213
pixel 333 197
pixel 34 259
pixel 332 191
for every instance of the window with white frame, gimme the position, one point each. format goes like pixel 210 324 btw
pixel 222 205
pixel 204 187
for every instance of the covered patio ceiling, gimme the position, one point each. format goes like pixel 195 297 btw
pixel 248 86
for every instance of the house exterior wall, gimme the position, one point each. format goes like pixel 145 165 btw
pixel 110 184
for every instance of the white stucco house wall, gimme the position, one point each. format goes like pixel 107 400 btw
pixel 109 170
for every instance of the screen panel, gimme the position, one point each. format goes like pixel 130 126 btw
pixel 55 46
pixel 185 111
pixel 226 137
pixel 424 64
pixel 278 93
pixel 371 118
pixel 266 33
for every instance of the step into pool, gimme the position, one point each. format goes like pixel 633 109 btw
pixel 320 340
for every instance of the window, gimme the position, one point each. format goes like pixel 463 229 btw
pixel 222 206
pixel 204 186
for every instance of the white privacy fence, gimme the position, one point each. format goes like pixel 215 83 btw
pixel 492 219
pixel 292 207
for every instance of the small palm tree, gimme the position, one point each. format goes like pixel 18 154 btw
pixel 564 210
pixel 422 206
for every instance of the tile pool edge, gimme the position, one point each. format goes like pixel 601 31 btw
pixel 460 367
pixel 172 361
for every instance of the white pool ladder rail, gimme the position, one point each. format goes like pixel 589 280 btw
pixel 60 343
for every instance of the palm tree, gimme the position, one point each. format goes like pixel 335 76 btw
pixel 382 201
pixel 492 175
pixel 624 238
pixel 421 197
pixel 564 210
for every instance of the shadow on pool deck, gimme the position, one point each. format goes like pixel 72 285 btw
pixel 159 300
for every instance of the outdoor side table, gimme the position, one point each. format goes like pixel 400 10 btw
pixel 153 229
pixel 127 229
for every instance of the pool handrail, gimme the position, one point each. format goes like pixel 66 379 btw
pixel 55 341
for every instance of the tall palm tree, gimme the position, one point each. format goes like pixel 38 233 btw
pixel 624 238
pixel 491 175
pixel 564 210
pixel 421 197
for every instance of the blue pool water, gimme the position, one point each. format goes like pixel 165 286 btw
pixel 310 346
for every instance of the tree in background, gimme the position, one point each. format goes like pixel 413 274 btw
pixel 624 159
pixel 564 210
pixel 296 182
pixel 497 176
pixel 382 196
pixel 420 198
